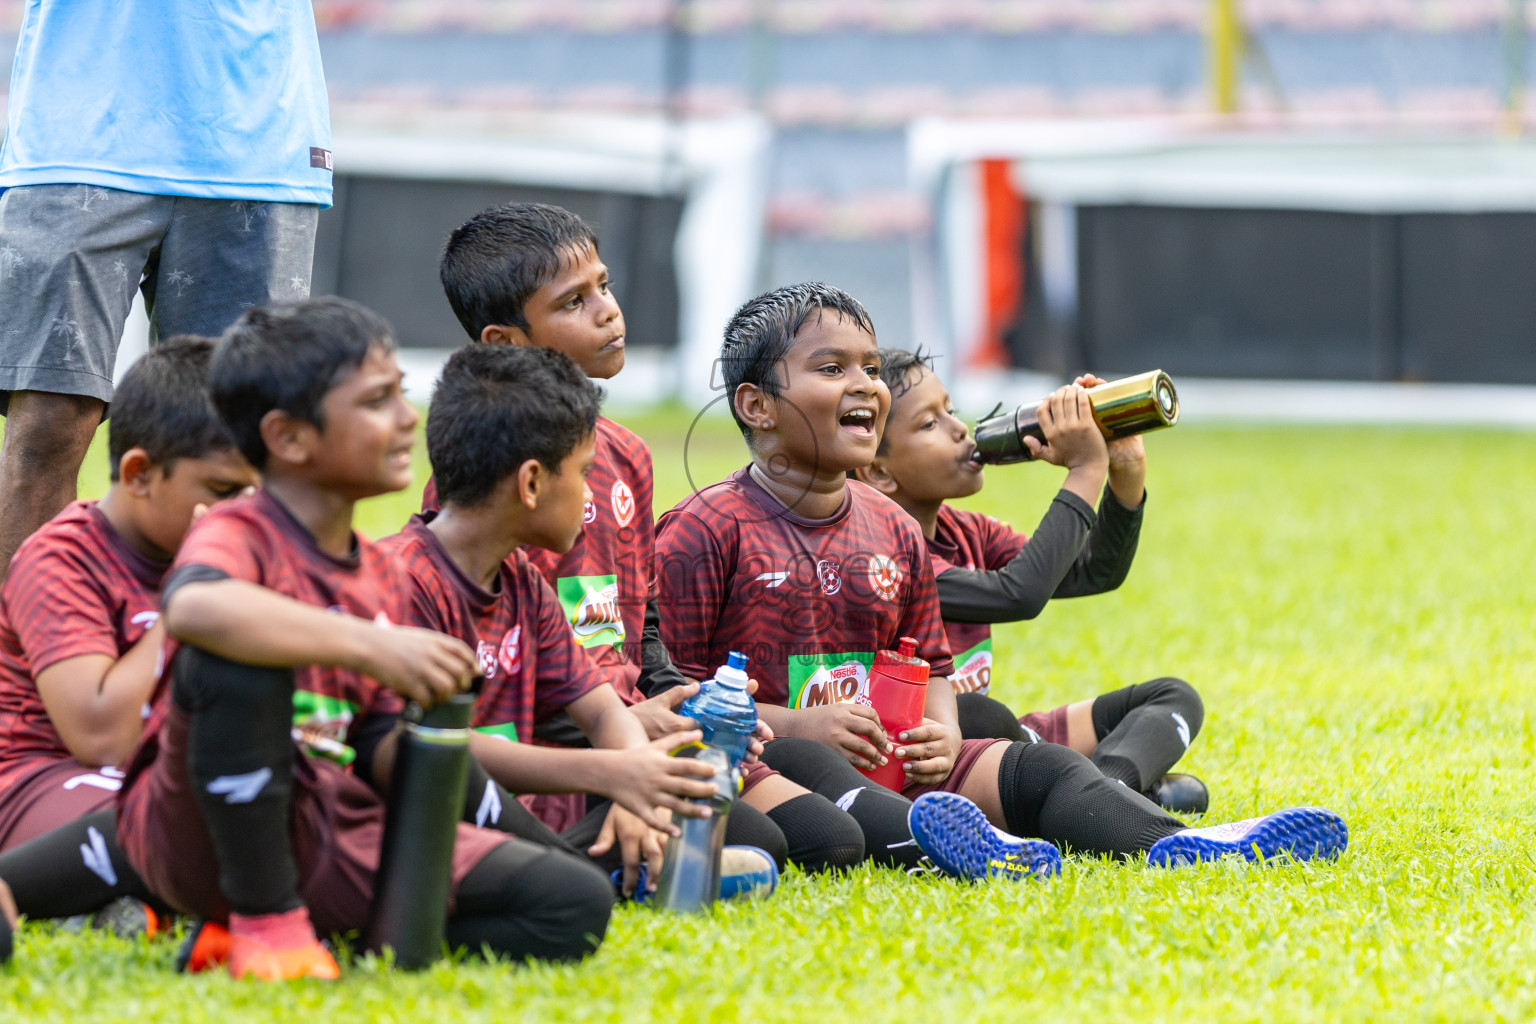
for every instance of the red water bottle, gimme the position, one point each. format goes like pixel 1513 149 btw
pixel 898 691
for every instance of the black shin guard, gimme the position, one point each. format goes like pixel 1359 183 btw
pixel 240 761
pixel 488 805
pixel 1144 729
pixel 817 836
pixel 880 813
pixel 982 718
pixel 1055 793
pixel 748 826
pixel 77 868
pixel 526 901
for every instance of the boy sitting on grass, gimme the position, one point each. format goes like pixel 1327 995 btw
pixel 530 275
pixel 812 574
pixel 988 572
pixel 511 434
pixel 273 602
pixel 80 636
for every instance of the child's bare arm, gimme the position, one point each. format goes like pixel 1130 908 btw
pixel 1074 440
pixel 96 703
pixel 256 626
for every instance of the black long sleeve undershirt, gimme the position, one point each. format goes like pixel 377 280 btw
pixel 657 673
pixel 1073 553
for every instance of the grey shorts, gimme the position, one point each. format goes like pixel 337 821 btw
pixel 72 255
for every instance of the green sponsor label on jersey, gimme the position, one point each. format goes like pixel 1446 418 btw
pixel 973 669
pixel 817 679
pixel 506 730
pixel 321 724
pixel 591 606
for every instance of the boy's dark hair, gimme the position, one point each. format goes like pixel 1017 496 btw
pixel 763 329
pixel 497 406
pixel 499 257
pixel 287 356
pixel 162 406
pixel 902 371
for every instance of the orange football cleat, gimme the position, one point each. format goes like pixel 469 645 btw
pixel 205 947
pixel 278 947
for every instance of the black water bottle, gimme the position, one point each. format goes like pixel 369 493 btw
pixel 690 874
pixel 410 896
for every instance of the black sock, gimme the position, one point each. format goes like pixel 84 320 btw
pixel 77 868
pixel 880 813
pixel 240 761
pixel 1055 793
pixel 748 826
pixel 1144 729
pixel 489 805
pixel 818 836
pixel 982 718
pixel 526 901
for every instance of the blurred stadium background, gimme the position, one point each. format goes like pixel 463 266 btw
pixel 1309 209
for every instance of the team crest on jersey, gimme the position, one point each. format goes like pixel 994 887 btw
pixel 623 501
pixel 588 513
pixel 829 576
pixel 884 577
pixel 511 656
pixel 485 654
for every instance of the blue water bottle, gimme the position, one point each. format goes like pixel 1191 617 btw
pixel 723 709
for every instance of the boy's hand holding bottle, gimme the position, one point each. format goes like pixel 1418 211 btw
pixel 930 750
pixel 1127 459
pixel 852 729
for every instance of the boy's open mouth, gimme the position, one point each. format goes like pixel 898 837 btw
pixel 969 459
pixel 860 421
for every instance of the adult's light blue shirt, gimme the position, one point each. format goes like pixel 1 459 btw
pixel 220 99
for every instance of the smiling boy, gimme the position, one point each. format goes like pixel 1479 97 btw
pixel 989 573
pixel 813 573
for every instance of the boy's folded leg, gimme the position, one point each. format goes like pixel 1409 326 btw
pixel 1054 793
pixel 1144 729
pixel 78 868
pixel 524 901
pixel 982 717
pixel 487 804
pixel 748 826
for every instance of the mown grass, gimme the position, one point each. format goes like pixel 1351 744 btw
pixel 1356 608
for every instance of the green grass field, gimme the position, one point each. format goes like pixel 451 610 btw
pixel 1355 606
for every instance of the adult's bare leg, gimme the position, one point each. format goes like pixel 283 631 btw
pixel 46 437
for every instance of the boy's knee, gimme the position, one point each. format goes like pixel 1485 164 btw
pixel 983 718
pixel 819 837
pixel 44 430
pixel 199 679
pixel 1177 695
pixel 573 907
pixel 1027 775
pixel 813 765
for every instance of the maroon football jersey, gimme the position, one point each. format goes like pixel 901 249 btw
pixel 528 656
pixel 75 588
pixel 970 540
pixel 257 540
pixel 604 581
pixel 810 601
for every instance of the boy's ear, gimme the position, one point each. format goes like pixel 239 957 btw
pixel 756 407
pixel 878 475
pixel 133 471
pixel 532 480
pixel 288 439
pixel 502 334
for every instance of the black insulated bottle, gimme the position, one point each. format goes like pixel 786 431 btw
pixel 410 896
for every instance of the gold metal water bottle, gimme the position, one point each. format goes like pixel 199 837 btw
pixel 1130 405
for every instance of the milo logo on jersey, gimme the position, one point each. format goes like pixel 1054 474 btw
pixel 591 606
pixel 320 723
pixel 506 731
pixel 817 679
pixel 973 669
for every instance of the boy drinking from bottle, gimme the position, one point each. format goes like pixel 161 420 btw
pixel 989 573
pixel 814 573
pixel 274 605
pixel 511 435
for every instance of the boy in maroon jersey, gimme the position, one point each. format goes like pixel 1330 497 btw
pixel 510 434
pixel 988 572
pixel 813 573
pixel 79 634
pixel 528 274
pixel 274 605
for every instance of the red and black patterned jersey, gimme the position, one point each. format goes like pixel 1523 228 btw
pixel 531 662
pixel 969 540
pixel 810 601
pixel 604 581
pixel 75 588
pixel 257 540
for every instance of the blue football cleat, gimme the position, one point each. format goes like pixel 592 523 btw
pixel 746 873
pixel 957 836
pixel 1304 833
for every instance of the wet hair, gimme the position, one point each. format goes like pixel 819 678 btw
pixel 498 258
pixel 287 357
pixel 762 331
pixel 497 406
pixel 162 406
pixel 902 371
